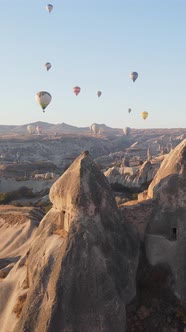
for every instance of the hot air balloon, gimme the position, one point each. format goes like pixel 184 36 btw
pixel 95 128
pixel 133 75
pixel 76 90
pixel 49 7
pixel 48 65
pixel 31 129
pixel 38 130
pixel 43 98
pixel 129 110
pixel 144 115
pixel 126 131
pixel 99 93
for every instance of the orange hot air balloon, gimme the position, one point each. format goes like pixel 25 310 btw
pixel 76 90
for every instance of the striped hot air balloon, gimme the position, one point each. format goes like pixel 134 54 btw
pixel 38 130
pixel 95 128
pixel 49 7
pixel 47 65
pixel 76 90
pixel 43 98
pixel 133 75
pixel 31 129
pixel 144 115
pixel 126 131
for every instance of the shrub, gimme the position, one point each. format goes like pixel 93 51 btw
pixel 45 207
pixel 5 198
pixel 135 196
pixel 23 192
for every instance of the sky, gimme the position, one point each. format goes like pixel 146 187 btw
pixel 94 45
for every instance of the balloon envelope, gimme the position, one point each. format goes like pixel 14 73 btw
pixel 31 129
pixel 126 130
pixel 43 98
pixel 133 75
pixel 129 110
pixel 144 115
pixel 95 128
pixel 38 130
pixel 76 90
pixel 49 7
pixel 99 93
pixel 48 65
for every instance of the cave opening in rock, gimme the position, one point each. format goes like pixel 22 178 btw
pixel 173 234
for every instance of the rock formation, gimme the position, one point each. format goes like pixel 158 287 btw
pixel 172 164
pixel 18 227
pixel 136 178
pixel 166 232
pixel 79 271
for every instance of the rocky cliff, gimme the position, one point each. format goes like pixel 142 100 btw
pixel 18 228
pixel 136 178
pixel 166 232
pixel 79 271
pixel 172 164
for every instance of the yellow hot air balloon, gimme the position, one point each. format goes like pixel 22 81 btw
pixel 144 115
pixel 43 98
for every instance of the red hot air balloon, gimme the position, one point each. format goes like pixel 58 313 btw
pixel 76 90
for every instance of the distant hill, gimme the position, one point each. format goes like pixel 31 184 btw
pixel 64 128
pixel 22 129
pixel 6 129
pixel 51 128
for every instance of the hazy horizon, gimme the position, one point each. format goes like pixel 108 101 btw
pixel 69 124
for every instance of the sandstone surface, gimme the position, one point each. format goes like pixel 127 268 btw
pixel 172 164
pixel 166 232
pixel 79 271
pixel 17 230
pixel 137 177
